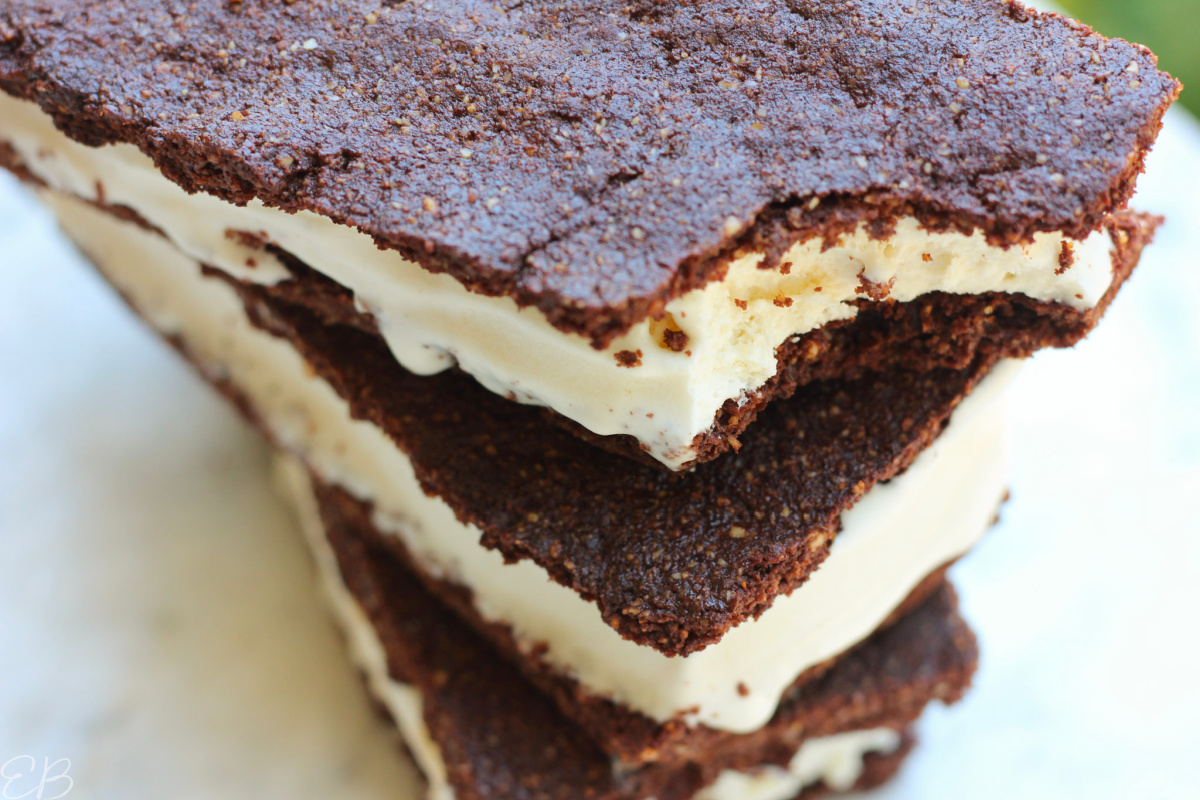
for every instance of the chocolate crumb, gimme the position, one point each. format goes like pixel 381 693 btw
pixel 629 358
pixel 257 241
pixel 873 289
pixel 676 341
pixel 1066 258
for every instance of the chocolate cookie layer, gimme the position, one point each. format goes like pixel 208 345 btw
pixel 599 159
pixel 500 738
pixel 672 561
pixel 632 738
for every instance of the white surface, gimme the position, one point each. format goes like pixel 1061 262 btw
pixel 431 321
pixel 892 538
pixel 160 628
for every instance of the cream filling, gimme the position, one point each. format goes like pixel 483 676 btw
pixel 401 700
pixel 896 535
pixel 836 760
pixel 431 322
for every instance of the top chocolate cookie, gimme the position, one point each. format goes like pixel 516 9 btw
pixel 598 159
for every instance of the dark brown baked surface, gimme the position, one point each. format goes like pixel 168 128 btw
pixel 672 561
pixel 597 159
pixel 501 738
pixel 628 736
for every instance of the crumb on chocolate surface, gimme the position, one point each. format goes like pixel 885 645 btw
pixel 874 290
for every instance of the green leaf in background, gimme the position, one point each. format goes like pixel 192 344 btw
pixel 1171 28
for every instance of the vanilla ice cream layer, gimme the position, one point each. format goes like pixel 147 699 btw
pixel 430 321
pixel 835 760
pixel 896 535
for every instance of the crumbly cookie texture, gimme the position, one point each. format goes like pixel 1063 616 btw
pixel 599 159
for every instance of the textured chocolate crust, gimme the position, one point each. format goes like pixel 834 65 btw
pixel 597 159
pixel 501 738
pixel 672 561
pixel 628 736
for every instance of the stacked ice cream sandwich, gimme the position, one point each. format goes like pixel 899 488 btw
pixel 637 368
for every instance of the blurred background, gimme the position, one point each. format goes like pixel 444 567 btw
pixel 1171 28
